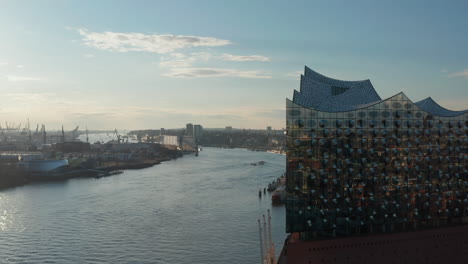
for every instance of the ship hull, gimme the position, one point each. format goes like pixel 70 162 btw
pixel 42 165
pixel 439 245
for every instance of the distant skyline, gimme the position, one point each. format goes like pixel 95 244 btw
pixel 152 64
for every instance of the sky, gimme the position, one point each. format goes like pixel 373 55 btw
pixel 153 64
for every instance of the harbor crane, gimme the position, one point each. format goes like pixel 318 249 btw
pixel 116 133
pixel 120 138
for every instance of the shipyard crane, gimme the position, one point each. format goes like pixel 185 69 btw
pixel 116 133
pixel 63 135
pixel 74 131
pixel 44 134
pixel 8 126
pixel 26 130
pixel 120 138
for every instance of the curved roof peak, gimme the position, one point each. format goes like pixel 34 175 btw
pixel 331 95
pixel 326 94
pixel 311 74
pixel 432 107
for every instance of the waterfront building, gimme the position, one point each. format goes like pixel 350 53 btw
pixel 358 164
pixel 228 128
pixel 189 129
pixel 72 146
pixel 197 133
pixel 170 140
pixel 187 143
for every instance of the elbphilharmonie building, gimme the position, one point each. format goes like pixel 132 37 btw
pixel 359 164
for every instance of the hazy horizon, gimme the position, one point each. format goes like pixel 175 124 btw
pixel 151 64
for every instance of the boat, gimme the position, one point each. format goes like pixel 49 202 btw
pixel 278 195
pixel 258 163
pixel 272 186
pixel 42 165
pixel 99 174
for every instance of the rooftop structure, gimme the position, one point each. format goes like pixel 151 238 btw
pixel 197 133
pixel 357 163
pixel 189 129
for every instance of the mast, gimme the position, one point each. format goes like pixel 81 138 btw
pixel 63 135
pixel 272 254
pixel 261 241
pixel 29 131
pixel 265 237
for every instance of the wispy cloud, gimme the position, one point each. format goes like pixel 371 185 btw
pixel 3 64
pixel 463 73
pixel 214 72
pixel 161 44
pixel 181 65
pixel 20 66
pixel 15 78
pixel 30 97
pixel 182 60
pixel 178 58
pixel 88 56
pixel 230 57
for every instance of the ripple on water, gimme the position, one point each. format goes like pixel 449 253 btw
pixel 189 210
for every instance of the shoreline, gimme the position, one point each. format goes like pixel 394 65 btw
pixel 12 177
pixel 262 149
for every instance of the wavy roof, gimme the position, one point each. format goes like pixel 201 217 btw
pixel 430 106
pixel 331 95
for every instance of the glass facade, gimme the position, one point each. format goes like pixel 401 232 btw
pixel 386 167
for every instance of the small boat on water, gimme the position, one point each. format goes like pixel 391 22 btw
pixel 258 163
pixel 101 174
pixel 272 186
pixel 278 195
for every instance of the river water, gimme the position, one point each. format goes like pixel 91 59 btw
pixel 191 210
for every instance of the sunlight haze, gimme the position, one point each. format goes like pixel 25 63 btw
pixel 152 64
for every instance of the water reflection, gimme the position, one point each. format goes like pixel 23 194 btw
pixel 190 210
